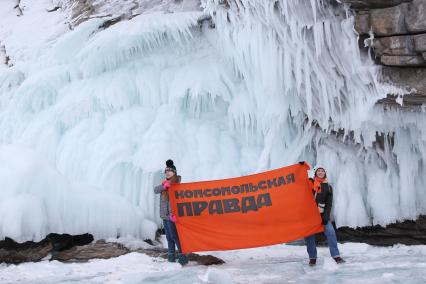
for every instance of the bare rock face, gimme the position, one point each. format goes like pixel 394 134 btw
pixel 199 259
pixel 97 250
pixel 83 10
pixel 406 78
pixel 399 30
pixel 405 18
pixel 415 19
pixel 407 232
pixel 80 248
pixel 362 4
pixel 403 60
pixel 394 46
pixel 389 21
pixel 14 253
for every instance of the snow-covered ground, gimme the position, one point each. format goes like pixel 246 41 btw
pixel 274 264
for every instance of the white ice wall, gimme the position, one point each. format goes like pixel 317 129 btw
pixel 100 111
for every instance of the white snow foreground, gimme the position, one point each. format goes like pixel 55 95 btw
pixel 275 264
pixel 102 109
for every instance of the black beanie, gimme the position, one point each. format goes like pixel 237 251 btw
pixel 170 166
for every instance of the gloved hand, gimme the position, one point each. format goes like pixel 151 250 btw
pixel 166 184
pixel 302 163
pixel 172 218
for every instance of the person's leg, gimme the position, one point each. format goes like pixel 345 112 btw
pixel 311 247
pixel 170 241
pixel 175 236
pixel 182 259
pixel 330 234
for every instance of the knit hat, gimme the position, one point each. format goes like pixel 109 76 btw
pixel 170 166
pixel 319 167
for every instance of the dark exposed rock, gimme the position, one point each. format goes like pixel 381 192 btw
pixel 395 45
pixel 411 78
pixel 56 8
pixel 205 259
pixel 415 18
pixel 79 248
pixel 362 4
pixel 97 250
pixel 403 60
pixel 407 232
pixel 110 22
pixel 399 31
pixel 200 259
pixel 13 252
pixel 406 78
pixel 409 102
pixel 406 18
pixel 63 242
pixel 383 22
pixel 362 22
pixel 420 43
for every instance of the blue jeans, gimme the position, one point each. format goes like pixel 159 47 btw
pixel 171 236
pixel 330 234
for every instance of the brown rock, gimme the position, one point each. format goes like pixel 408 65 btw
pixel 407 232
pixel 362 22
pixel 412 78
pixel 389 21
pixel 200 259
pixel 420 43
pixel 395 45
pixel 81 10
pixel 374 3
pixel 13 252
pixel 205 259
pixel 403 60
pixel 415 18
pixel 100 249
pixel 409 102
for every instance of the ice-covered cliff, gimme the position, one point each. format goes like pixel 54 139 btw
pixel 90 108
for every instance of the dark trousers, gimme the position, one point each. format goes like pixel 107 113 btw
pixel 171 236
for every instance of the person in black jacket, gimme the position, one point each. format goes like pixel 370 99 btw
pixel 323 194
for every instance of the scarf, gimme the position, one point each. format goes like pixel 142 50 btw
pixel 317 184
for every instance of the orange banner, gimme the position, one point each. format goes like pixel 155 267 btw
pixel 257 210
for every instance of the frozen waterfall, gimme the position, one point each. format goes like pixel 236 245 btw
pixel 88 116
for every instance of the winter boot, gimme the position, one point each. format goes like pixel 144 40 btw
pixel 339 260
pixel 312 262
pixel 182 259
pixel 171 257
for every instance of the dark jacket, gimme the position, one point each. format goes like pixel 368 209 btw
pixel 324 200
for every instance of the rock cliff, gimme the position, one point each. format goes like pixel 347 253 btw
pixel 396 32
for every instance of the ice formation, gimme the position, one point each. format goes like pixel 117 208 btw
pixel 88 116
